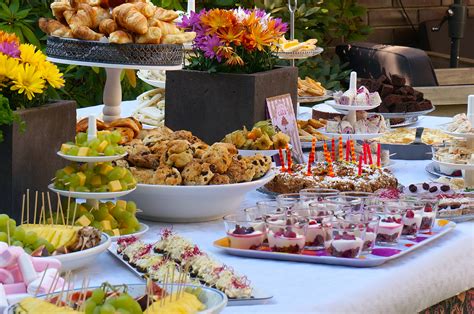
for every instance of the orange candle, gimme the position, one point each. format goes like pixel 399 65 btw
pixel 333 149
pixel 282 160
pixel 312 155
pixel 288 157
pixel 330 169
pixel 340 148
pixel 353 151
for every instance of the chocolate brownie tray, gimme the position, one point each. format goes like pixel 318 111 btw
pixel 380 254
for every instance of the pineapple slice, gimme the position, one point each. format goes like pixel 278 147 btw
pixel 57 235
pixel 33 305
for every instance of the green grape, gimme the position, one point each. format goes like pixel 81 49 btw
pixel 113 223
pixel 82 189
pixel 81 138
pixel 98 296
pixel 97 309
pixel 3 220
pixel 107 309
pixel 120 150
pixel 19 233
pixel 122 311
pixel 90 306
pixel 126 231
pixel 131 207
pixel 102 188
pixel 116 174
pixel 115 137
pixel 39 242
pixel 125 301
pixel 95 224
pixel 31 237
pixel 128 178
pixel 101 213
pixel 93 152
pixel 94 144
pixel 109 151
pixel 49 247
pixel 60 174
pixel 28 250
pixel 17 243
pixel 73 181
pixel 12 224
pixel 125 185
pixel 73 151
pixel 3 237
pixel 133 223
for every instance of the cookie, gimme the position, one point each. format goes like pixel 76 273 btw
pixel 197 173
pixel 219 179
pixel 260 163
pixel 240 171
pixel 185 135
pixel 143 175
pixel 165 175
pixel 218 157
pixel 178 154
pixel 150 161
pixel 199 149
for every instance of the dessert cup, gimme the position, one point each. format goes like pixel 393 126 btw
pixel 411 216
pixel 365 197
pixel 428 214
pixel 371 220
pixel 271 207
pixel 287 233
pixel 390 225
pixel 347 239
pixel 292 201
pixel 243 232
pixel 319 226
pixel 314 194
pixel 340 205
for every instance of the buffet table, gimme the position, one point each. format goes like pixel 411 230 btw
pixel 409 284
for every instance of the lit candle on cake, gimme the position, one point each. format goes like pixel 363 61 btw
pixel 364 151
pixel 333 149
pixel 288 157
pixel 353 151
pixel 282 160
pixel 348 149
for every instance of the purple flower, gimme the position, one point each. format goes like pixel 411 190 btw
pixel 280 25
pixel 259 13
pixel 209 46
pixel 10 49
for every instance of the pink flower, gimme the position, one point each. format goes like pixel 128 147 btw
pixel 10 49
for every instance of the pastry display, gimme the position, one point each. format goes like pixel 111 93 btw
pixel 151 107
pixel 105 144
pixel 295 45
pixel 456 152
pixel 129 128
pixel 362 97
pixel 345 178
pixel 452 206
pixel 397 97
pixel 188 260
pixel 364 124
pixel 262 136
pixel 133 22
pixel 407 136
pixel 308 87
pixel 163 157
pixel 103 177
pixel 460 124
pixel 307 129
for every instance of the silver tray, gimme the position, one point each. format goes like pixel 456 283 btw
pixel 102 52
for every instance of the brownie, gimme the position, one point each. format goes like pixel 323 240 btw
pixel 392 100
pixel 400 107
pixel 397 80
pixel 412 106
pixel 408 98
pixel 385 90
pixel 419 95
pixel 424 105
pixel 383 109
pixel 404 90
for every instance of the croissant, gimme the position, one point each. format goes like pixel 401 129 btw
pixel 84 32
pixel 54 28
pixel 180 38
pixel 84 16
pixel 107 26
pixel 100 15
pixel 129 123
pixel 76 3
pixel 166 28
pixel 152 36
pixel 147 9
pixel 83 124
pixel 128 16
pixel 120 37
pixel 59 7
pixel 165 15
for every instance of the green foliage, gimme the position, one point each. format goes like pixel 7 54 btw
pixel 7 116
pixel 330 72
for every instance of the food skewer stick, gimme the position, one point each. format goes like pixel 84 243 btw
pixel 28 206
pixel 165 282
pixel 22 210
pixel 60 206
pixel 60 296
pixel 86 287
pixel 53 285
pixel 43 209
pixel 36 207
pixel 172 282
pixel 41 281
pixel 50 208
pixel 74 215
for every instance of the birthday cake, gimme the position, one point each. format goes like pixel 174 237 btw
pixel 345 178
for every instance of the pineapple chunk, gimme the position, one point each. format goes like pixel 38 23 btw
pixel 105 168
pixel 96 181
pixel 83 151
pixel 105 225
pixel 57 235
pixel 115 186
pixel 68 170
pixel 116 232
pixel 82 178
pixel 102 146
pixel 83 221
pixel 65 148
pixel 121 204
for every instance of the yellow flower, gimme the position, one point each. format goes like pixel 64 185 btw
pixel 51 74
pixel 8 66
pixel 28 80
pixel 28 54
pixel 235 59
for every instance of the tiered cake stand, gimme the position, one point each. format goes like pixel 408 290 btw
pixel 91 197
pixel 114 58
pixel 469 137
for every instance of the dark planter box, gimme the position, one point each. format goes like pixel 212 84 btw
pixel 28 159
pixel 212 105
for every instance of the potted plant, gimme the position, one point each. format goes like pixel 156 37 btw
pixel 31 126
pixel 230 74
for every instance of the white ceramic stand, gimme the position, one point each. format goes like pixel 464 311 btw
pixel 113 90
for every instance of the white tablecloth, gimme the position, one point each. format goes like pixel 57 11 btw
pixel 409 284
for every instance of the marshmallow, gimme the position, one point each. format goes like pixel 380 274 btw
pixel 27 269
pixel 7 258
pixel 3 299
pixel 41 263
pixel 45 286
pixel 15 288
pixel 6 277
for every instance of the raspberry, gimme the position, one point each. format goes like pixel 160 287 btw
pixel 410 214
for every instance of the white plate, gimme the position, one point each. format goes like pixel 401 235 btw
pixel 81 259
pixel 455 134
pixel 90 195
pixel 155 83
pixel 353 136
pixel 143 229
pixel 454 166
pixel 346 108
pixel 91 158
pixel 214 300
pixel 258 297
pixel 192 203
pixel 389 115
pixel 268 152
pixel 306 99
pixel 408 121
pixel 433 168
pixel 299 54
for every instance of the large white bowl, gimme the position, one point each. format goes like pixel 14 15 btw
pixel 81 259
pixel 191 203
